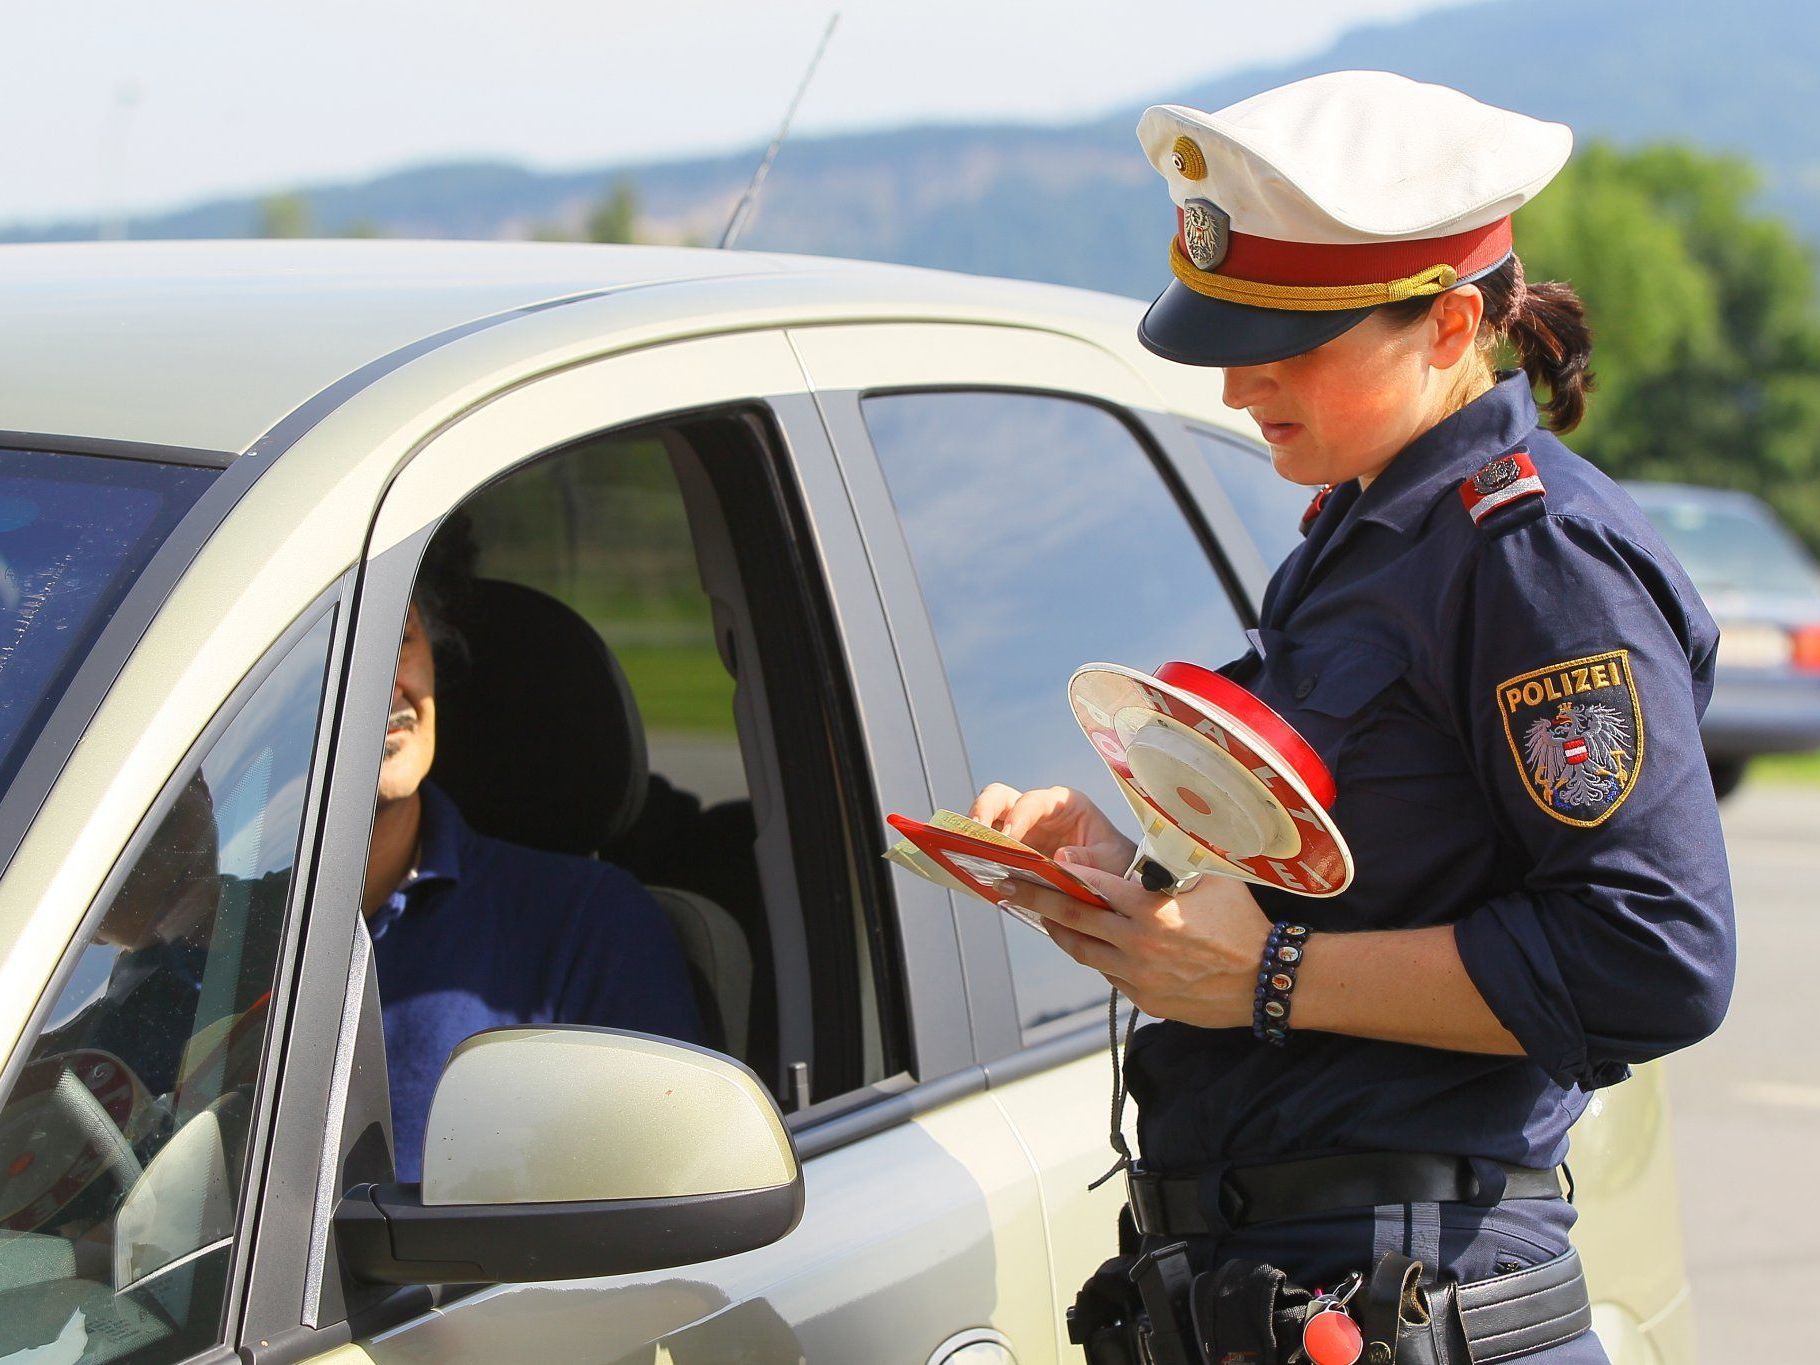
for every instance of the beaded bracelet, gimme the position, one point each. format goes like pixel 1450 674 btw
pixel 1276 979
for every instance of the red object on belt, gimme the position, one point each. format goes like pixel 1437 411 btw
pixel 1332 1338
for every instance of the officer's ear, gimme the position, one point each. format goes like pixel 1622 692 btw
pixel 1453 325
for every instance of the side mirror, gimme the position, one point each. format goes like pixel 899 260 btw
pixel 564 1151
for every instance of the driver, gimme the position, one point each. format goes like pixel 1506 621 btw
pixel 471 932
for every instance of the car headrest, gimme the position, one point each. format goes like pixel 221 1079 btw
pixel 538 739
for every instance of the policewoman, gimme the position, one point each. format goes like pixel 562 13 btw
pixel 1504 668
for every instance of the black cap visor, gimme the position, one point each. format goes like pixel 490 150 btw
pixel 1192 329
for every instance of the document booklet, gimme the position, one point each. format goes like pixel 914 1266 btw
pixel 964 855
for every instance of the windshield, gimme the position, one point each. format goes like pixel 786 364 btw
pixel 1732 545
pixel 75 530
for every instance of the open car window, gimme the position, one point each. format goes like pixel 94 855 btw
pixel 648 681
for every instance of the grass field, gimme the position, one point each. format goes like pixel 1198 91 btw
pixel 679 687
pixel 1784 769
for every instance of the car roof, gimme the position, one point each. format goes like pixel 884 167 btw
pixel 1649 493
pixel 209 345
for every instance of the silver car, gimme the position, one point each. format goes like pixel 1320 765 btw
pixel 845 531
pixel 1763 588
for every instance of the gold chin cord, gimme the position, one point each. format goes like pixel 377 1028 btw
pixel 1307 298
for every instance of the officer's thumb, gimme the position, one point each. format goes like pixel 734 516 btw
pixel 1071 855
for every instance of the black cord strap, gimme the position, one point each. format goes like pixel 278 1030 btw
pixel 1117 1138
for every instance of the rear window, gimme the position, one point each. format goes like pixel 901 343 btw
pixel 75 530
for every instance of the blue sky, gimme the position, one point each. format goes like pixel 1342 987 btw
pixel 128 104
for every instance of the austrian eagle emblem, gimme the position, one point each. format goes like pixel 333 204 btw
pixel 1206 232
pixel 1576 732
pixel 1500 474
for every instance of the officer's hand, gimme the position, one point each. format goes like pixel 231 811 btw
pixel 1053 819
pixel 1192 958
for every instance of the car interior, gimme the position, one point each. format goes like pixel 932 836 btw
pixel 580 787
pixel 652 682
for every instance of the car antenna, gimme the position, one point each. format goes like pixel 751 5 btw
pixel 742 211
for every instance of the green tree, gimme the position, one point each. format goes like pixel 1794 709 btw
pixel 1707 334
pixel 615 217
pixel 286 215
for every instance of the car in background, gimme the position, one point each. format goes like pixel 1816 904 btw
pixel 1763 588
pixel 824 516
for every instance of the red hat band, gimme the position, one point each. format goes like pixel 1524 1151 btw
pixel 1265 260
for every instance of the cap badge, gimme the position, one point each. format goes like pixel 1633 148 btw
pixel 1500 474
pixel 1206 233
pixel 1187 159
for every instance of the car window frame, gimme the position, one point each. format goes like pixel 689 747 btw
pixel 587 400
pixel 1251 449
pixel 328 604
pixel 963 357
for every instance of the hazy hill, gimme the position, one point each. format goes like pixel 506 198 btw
pixel 1077 204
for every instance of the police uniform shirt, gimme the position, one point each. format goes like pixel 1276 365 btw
pixel 1510 708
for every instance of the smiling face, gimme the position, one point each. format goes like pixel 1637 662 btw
pixel 1343 410
pixel 410 733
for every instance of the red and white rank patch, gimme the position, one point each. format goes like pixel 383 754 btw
pixel 1507 479
pixel 1315 504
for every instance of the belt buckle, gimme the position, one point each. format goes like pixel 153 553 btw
pixel 1231 1205
pixel 1145 1201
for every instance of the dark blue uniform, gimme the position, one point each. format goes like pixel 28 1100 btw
pixel 1510 708
pixel 489 933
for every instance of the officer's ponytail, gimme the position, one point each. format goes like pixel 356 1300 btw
pixel 1545 324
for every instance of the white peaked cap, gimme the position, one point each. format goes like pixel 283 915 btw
pixel 1358 156
pixel 1302 208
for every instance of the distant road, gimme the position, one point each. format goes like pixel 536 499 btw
pixel 1747 1101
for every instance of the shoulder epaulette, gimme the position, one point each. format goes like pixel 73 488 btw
pixel 1315 504
pixel 1508 479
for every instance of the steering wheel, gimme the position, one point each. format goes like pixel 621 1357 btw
pixel 66 1126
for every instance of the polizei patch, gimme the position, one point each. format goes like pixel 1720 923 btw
pixel 1576 732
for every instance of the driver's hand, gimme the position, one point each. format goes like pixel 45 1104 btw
pixel 1058 822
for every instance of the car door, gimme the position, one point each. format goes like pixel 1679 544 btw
pixel 1025 516
pixel 128 1134
pixel 923 1235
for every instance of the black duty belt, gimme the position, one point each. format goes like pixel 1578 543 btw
pixel 1525 1311
pixel 1194 1206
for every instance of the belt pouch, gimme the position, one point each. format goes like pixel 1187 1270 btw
pixel 1163 1281
pixel 1405 1324
pixel 1247 1313
pixel 1104 1319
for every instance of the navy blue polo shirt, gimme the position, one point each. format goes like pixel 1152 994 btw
pixel 1510 709
pixel 487 934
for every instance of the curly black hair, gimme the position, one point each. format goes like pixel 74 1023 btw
pixel 445 583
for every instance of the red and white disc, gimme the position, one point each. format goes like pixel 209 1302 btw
pixel 1196 751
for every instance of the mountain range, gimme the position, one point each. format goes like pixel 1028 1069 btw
pixel 1077 204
